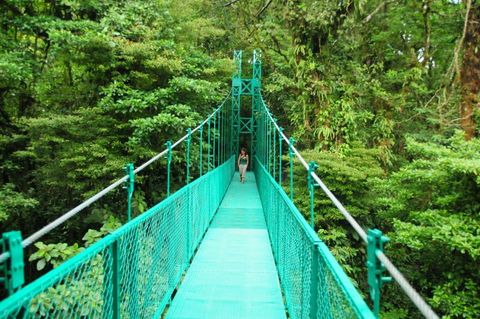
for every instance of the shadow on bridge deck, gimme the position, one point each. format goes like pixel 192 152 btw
pixel 233 274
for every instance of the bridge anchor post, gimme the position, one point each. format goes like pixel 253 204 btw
pixel 375 242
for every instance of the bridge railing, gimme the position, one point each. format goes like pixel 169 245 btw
pixel 132 272
pixel 270 139
pixel 314 284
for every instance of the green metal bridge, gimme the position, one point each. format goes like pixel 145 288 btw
pixel 216 248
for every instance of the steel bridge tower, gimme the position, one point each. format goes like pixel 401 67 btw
pixel 242 125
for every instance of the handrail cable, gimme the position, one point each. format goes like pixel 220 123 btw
pixel 60 220
pixel 414 296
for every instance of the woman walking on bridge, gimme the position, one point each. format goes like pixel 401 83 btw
pixel 242 164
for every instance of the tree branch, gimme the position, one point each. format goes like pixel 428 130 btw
pixel 265 7
pixel 377 9
pixel 277 49
pixel 453 72
pixel 230 3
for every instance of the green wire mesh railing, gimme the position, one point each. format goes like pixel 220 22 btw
pixel 314 284
pixel 132 272
pixel 200 151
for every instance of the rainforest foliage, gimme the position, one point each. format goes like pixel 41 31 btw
pixel 383 94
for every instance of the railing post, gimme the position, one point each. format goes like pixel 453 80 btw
pixel 201 150
pixel 188 141
pixel 274 150
pixel 268 138
pixel 115 251
pixel 224 135
pixel 219 142
pixel 130 187
pixel 189 229
pixel 270 124
pixel 12 276
pixel 314 282
pixel 259 137
pixel 209 147
pixel 375 242
pixel 280 170
pixel 312 166
pixel 219 138
pixel 278 211
pixel 262 138
pixel 265 134
pixel 214 139
pixel 168 144
pixel 290 153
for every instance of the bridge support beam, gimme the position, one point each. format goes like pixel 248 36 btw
pixel 256 98
pixel 245 87
pixel 236 102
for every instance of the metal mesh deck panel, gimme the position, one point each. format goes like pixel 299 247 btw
pixel 233 273
pixel 132 272
pixel 314 284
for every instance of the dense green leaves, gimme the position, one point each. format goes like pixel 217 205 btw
pixel 431 206
pixel 367 87
pixel 348 175
pixel 87 86
pixel 13 203
pixel 429 209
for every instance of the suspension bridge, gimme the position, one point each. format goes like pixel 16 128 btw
pixel 215 248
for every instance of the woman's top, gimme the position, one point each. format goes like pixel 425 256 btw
pixel 243 160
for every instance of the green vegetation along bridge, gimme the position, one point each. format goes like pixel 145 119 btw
pixel 216 248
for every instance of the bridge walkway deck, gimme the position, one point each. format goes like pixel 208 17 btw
pixel 233 273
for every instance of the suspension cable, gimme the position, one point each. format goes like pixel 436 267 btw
pixel 414 296
pixel 60 220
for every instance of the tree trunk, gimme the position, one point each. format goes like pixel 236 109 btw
pixel 427 29
pixel 470 72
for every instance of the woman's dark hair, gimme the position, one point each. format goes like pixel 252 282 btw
pixel 243 150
